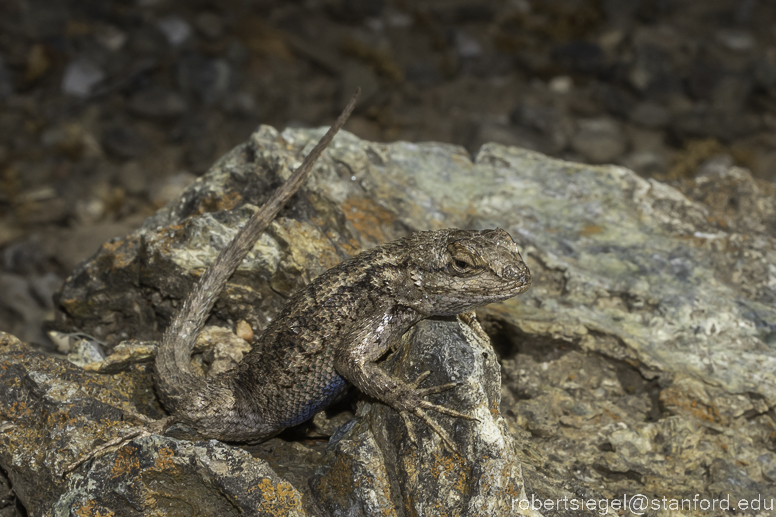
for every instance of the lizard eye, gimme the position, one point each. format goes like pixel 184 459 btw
pixel 462 265
pixel 462 261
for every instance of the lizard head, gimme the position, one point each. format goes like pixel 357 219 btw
pixel 459 270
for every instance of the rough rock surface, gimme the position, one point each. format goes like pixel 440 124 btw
pixel 375 469
pixel 642 360
pixel 54 413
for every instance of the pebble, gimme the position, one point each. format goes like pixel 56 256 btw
pixel 651 69
pixel 110 37
pixel 599 140
pixel 467 45
pixel 210 79
pixel 244 331
pixel 175 29
pixel 539 117
pixel 81 77
pixel 736 40
pixel 646 163
pixel 86 351
pixel 561 84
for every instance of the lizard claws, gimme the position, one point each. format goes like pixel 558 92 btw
pixel 424 404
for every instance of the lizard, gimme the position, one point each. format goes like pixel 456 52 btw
pixel 332 332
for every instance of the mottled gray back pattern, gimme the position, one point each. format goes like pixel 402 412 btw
pixel 333 332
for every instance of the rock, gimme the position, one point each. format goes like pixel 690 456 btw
pixel 561 84
pixel 58 413
pixel 645 163
pixel 110 37
pixel 599 140
pixel 639 361
pixel 652 73
pixel 736 40
pixel 539 117
pixel 210 79
pixel 81 77
pixel 175 29
pixel 486 479
pixel 467 46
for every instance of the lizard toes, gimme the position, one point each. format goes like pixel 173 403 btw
pixel 447 411
pixel 437 429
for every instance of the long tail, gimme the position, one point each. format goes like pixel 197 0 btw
pixel 174 378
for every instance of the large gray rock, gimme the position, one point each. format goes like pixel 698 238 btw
pixel 53 414
pixel 375 459
pixel 642 360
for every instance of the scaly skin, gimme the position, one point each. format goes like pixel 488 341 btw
pixel 332 332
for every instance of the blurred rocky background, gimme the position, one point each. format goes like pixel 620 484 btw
pixel 109 109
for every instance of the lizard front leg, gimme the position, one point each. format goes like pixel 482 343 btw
pixel 355 359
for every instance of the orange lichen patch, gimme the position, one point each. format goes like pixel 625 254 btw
pixel 277 499
pixel 121 251
pixel 699 410
pixel 165 459
pixel 338 481
pixel 368 217
pixel 494 412
pixel 448 465
pixel 127 462
pixel 590 229
pixel 215 203
pixel 89 508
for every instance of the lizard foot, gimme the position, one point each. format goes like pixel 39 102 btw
pixel 150 426
pixel 422 405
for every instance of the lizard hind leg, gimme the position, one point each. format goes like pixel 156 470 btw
pixel 419 412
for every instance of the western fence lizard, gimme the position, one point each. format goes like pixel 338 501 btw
pixel 332 333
